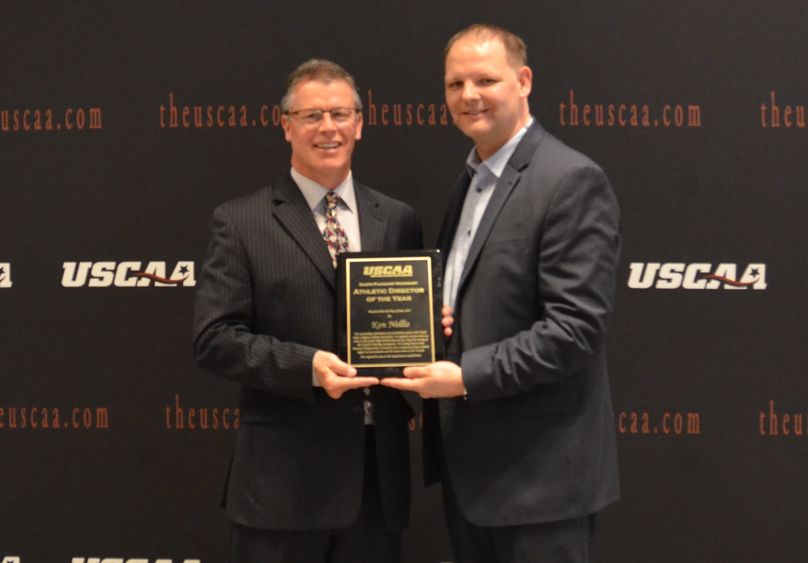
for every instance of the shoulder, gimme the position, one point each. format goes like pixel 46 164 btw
pixel 556 173
pixel 551 156
pixel 245 206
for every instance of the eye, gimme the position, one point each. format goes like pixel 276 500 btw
pixel 341 114
pixel 311 116
pixel 455 85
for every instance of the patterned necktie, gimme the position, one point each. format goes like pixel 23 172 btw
pixel 334 234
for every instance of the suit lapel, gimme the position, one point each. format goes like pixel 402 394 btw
pixel 372 219
pixel 452 217
pixel 507 182
pixel 292 211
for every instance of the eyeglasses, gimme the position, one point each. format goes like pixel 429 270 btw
pixel 340 116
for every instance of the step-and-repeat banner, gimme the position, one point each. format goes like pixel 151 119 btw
pixel 123 124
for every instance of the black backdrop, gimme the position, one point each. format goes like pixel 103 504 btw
pixel 115 446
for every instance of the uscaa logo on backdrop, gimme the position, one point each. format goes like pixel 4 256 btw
pixel 127 560
pixel 5 275
pixel 128 274
pixel 696 275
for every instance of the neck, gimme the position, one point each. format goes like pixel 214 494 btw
pixel 485 151
pixel 328 180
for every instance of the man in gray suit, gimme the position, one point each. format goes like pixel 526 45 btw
pixel 320 471
pixel 522 435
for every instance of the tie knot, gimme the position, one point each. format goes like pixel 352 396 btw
pixel 331 200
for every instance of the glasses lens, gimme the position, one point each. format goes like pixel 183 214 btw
pixel 315 116
pixel 310 116
pixel 341 115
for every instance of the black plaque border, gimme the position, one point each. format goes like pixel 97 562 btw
pixel 435 269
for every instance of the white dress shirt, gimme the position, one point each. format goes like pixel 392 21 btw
pixel 348 216
pixel 347 211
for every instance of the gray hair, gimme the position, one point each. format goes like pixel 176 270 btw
pixel 321 70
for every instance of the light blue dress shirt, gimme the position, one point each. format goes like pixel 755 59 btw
pixel 484 177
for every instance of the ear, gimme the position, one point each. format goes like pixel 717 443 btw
pixel 287 125
pixel 525 77
pixel 359 123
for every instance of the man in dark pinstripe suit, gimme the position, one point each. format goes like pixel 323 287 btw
pixel 320 471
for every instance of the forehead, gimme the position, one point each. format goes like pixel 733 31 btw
pixel 473 55
pixel 315 92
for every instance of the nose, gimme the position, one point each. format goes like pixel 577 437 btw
pixel 469 91
pixel 327 123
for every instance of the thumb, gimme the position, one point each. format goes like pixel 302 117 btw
pixel 342 369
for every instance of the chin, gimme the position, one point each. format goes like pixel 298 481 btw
pixel 470 127
pixel 476 134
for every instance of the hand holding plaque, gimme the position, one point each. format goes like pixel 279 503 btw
pixel 389 310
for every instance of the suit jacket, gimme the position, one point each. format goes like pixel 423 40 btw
pixel 264 305
pixel 535 439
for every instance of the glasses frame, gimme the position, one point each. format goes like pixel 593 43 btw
pixel 355 111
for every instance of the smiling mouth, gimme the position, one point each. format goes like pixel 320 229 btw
pixel 327 145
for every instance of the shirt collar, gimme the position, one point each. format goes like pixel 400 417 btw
pixel 497 161
pixel 314 192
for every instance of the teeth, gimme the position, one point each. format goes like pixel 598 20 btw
pixel 328 145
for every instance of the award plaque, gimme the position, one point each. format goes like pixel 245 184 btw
pixel 389 310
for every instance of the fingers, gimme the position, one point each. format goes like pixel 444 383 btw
pixel 326 362
pixel 346 383
pixel 400 383
pixel 441 379
pixel 336 377
pixel 416 372
pixel 357 382
pixel 336 386
pixel 447 320
pixel 339 367
pixel 344 370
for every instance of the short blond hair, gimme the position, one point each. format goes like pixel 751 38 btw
pixel 515 47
